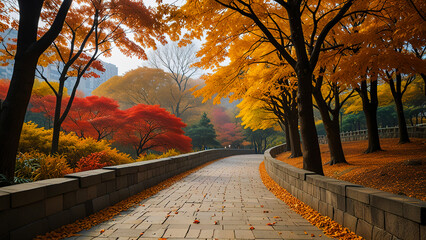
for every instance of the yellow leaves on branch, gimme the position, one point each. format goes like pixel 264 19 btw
pixel 330 227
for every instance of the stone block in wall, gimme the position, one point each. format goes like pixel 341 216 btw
pixel 317 180
pixel 100 203
pixel 123 193
pixel 350 221
pixel 4 200
pixel 101 189
pixel 114 198
pixel 339 187
pixel 70 199
pixel 322 208
pixel 59 219
pixel 92 177
pixel 401 227
pixel 414 210
pixel 77 212
pixel 24 215
pixel 422 232
pixel 81 195
pixel 388 202
pixel 25 193
pixel 57 186
pixel 54 205
pixel 380 234
pixel 31 230
pixel 121 182
pixel 92 192
pixel 338 216
pixel 377 216
pixel 364 229
pixel 331 198
pixel 123 169
pixel 315 203
pixel 330 211
pixel 361 194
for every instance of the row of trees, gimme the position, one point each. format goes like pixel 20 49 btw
pixel 287 57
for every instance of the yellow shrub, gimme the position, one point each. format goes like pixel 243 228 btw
pixel 52 167
pixel 151 156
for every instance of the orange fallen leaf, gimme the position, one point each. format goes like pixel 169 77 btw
pixel 312 235
pixel 196 221
pixel 102 231
pixel 251 228
pixel 215 222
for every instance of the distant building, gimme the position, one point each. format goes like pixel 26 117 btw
pixel 87 85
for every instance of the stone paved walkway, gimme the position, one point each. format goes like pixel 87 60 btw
pixel 228 192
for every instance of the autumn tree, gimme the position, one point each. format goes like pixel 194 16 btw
pixel 95 117
pixel 229 132
pixel 387 36
pixel 92 28
pixel 203 134
pixel 149 127
pixel 29 47
pixel 298 30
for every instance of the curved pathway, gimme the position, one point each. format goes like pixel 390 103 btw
pixel 226 197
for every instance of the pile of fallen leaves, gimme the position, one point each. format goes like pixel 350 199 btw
pixel 398 169
pixel 108 213
pixel 330 227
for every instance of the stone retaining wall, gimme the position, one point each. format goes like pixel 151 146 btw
pixel 370 213
pixel 30 209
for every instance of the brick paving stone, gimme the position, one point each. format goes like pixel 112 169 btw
pixel 228 191
pixel 220 234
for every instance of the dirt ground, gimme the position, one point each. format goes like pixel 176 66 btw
pixel 399 168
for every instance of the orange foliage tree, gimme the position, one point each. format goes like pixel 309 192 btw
pixel 149 127
pixel 299 32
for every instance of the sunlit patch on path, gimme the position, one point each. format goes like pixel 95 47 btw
pixel 225 200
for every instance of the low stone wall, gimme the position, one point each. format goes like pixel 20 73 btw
pixel 370 213
pixel 30 209
pixel 389 132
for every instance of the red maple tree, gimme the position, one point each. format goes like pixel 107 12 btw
pixel 93 116
pixel 228 132
pixel 149 127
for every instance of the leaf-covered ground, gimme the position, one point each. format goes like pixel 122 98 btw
pixel 399 168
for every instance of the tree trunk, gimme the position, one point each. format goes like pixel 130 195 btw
pixel 402 124
pixel 331 127
pixel 397 92
pixel 287 137
pixel 13 111
pixel 369 107
pixel 372 129
pixel 28 50
pixel 311 151
pixel 293 125
pixel 334 142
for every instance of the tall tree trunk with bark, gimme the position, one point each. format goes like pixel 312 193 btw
pixel 330 119
pixel 29 49
pixel 293 126
pixel 397 93
pixel 369 107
